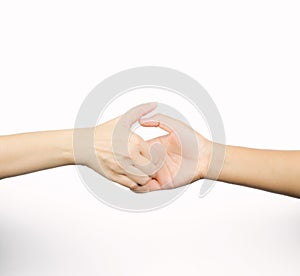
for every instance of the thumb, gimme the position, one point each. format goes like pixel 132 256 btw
pixel 135 113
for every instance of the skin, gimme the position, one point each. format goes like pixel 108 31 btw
pixel 31 152
pixel 276 171
pixel 124 157
pixel 194 157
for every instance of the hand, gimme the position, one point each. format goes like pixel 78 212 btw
pixel 187 154
pixel 116 152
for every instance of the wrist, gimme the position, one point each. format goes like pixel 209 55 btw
pixel 204 157
pixel 83 146
pixel 216 161
pixel 66 146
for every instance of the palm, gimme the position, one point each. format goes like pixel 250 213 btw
pixel 166 174
pixel 183 152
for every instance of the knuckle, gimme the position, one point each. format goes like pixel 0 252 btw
pixel 143 180
pixel 114 167
pixel 109 174
pixel 133 187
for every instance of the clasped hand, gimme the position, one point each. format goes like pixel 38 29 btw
pixel 178 158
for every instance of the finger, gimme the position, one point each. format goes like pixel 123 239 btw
pixel 183 133
pixel 149 158
pixel 145 165
pixel 134 114
pixel 124 181
pixel 162 121
pixel 136 175
pixel 151 186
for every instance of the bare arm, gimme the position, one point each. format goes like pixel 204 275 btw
pixel 271 170
pixel 30 152
pixel 119 158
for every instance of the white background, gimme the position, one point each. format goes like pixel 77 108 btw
pixel 246 55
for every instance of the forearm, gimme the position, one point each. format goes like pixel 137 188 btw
pixel 270 170
pixel 30 152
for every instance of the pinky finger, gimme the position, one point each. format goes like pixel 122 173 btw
pixel 125 181
pixel 152 185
